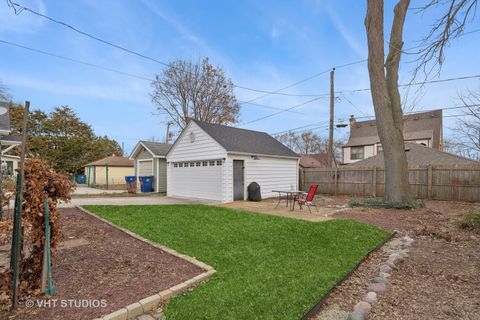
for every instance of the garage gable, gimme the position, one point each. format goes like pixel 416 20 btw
pixel 195 144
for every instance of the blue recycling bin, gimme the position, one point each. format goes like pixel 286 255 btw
pixel 81 179
pixel 146 183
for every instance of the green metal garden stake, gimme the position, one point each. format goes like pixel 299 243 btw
pixel 106 172
pixel 89 171
pixel 16 242
pixel 47 283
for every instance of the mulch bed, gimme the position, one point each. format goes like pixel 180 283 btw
pixel 440 278
pixel 112 266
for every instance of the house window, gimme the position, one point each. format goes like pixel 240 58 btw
pixel 204 163
pixel 175 165
pixel 219 162
pixel 212 163
pixel 180 164
pixel 192 164
pixel 197 164
pixel 356 153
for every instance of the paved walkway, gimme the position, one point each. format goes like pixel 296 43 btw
pixel 268 207
pixel 83 190
pixel 135 200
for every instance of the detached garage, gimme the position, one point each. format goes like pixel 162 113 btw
pixel 216 162
pixel 149 160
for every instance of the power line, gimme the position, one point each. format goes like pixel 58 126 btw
pixel 306 79
pixel 274 114
pixel 367 89
pixel 19 8
pixel 76 61
pixel 352 104
pixel 123 73
pixel 370 116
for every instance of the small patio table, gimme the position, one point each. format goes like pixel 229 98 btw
pixel 289 197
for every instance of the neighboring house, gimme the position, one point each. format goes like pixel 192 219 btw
pixel 217 162
pixel 7 142
pixel 118 168
pixel 423 128
pixel 149 159
pixel 9 165
pixel 420 156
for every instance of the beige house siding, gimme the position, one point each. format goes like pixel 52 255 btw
pixel 116 175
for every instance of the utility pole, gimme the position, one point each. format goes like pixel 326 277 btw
pixel 330 155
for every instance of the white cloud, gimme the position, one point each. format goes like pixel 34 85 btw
pixel 185 32
pixel 125 93
pixel 24 22
pixel 350 38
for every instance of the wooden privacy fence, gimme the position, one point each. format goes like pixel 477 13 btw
pixel 427 182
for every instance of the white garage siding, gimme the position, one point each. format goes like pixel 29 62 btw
pixel 270 173
pixel 216 182
pixel 198 181
pixel 203 148
pixel 202 182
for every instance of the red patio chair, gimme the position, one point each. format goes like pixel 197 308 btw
pixel 307 198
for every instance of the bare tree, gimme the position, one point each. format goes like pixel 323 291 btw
pixel 303 143
pixel 386 97
pixel 199 91
pixel 451 25
pixel 466 137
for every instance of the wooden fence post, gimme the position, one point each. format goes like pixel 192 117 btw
pixel 429 181
pixel 374 182
pixel 335 179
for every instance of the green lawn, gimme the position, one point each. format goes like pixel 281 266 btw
pixel 268 267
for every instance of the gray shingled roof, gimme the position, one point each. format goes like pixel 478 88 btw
pixel 5 118
pixel 157 148
pixel 245 141
pixel 419 155
pixel 423 125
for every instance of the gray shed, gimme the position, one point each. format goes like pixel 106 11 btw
pixel 149 160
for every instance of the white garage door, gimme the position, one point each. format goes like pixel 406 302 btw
pixel 145 168
pixel 201 180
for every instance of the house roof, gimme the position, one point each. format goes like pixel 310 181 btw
pixel 245 141
pixel 419 155
pixel 157 149
pixel 314 160
pixel 113 161
pixel 11 140
pixel 5 117
pixel 424 125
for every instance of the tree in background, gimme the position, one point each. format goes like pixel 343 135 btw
pixel 198 91
pixel 466 139
pixel 62 138
pixel 309 143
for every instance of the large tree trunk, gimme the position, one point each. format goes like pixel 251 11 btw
pixel 386 97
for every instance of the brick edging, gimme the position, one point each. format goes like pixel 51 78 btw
pixel 151 303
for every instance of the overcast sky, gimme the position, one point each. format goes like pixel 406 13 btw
pixel 265 45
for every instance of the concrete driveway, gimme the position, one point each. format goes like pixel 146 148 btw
pixel 137 200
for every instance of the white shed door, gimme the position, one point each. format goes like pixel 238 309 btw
pixel 201 180
pixel 145 168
